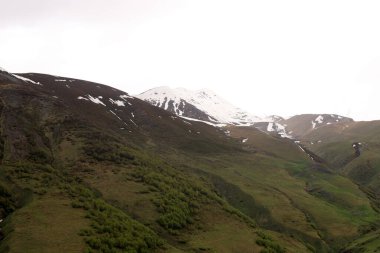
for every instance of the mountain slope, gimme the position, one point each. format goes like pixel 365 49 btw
pixel 300 125
pixel 74 141
pixel 353 149
pixel 202 105
pixel 135 177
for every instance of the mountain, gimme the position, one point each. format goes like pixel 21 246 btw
pixel 303 124
pixel 202 105
pixel 298 126
pixel 85 167
pixel 353 150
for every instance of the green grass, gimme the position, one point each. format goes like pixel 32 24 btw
pixel 48 224
pixel 330 216
pixel 369 243
pixel 111 229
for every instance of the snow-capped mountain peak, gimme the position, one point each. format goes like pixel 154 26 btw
pixel 200 104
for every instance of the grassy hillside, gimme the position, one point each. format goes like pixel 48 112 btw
pixel 300 125
pixel 278 185
pixel 97 182
pixel 80 176
pixel 335 144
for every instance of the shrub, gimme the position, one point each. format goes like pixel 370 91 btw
pixel 7 202
pixel 39 156
pixel 268 244
pixel 111 230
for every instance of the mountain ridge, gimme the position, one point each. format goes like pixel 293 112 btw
pixel 192 105
pixel 200 104
pixel 133 176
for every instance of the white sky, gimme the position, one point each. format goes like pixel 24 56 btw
pixel 267 57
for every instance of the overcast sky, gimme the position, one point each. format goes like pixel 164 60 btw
pixel 267 57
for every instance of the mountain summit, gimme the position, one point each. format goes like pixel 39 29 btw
pixel 202 105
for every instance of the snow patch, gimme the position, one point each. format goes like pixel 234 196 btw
pixel 303 150
pixel 121 119
pixel 133 122
pixel 26 79
pixel 92 99
pixel 60 80
pixel 270 127
pixel 280 129
pixel 244 140
pixel 124 97
pixel 80 97
pixel 319 119
pixel 117 116
pixel 117 102
pixel 96 100
pixel 206 122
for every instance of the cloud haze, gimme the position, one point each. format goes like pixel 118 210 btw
pixel 268 57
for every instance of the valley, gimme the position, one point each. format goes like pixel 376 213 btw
pixel 89 168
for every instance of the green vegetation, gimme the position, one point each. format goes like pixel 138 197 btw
pixel 269 245
pixel 111 229
pixel 103 147
pixel 76 179
pixel 177 200
pixel 7 202
pixel 276 194
pixel 44 224
pixel 369 243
